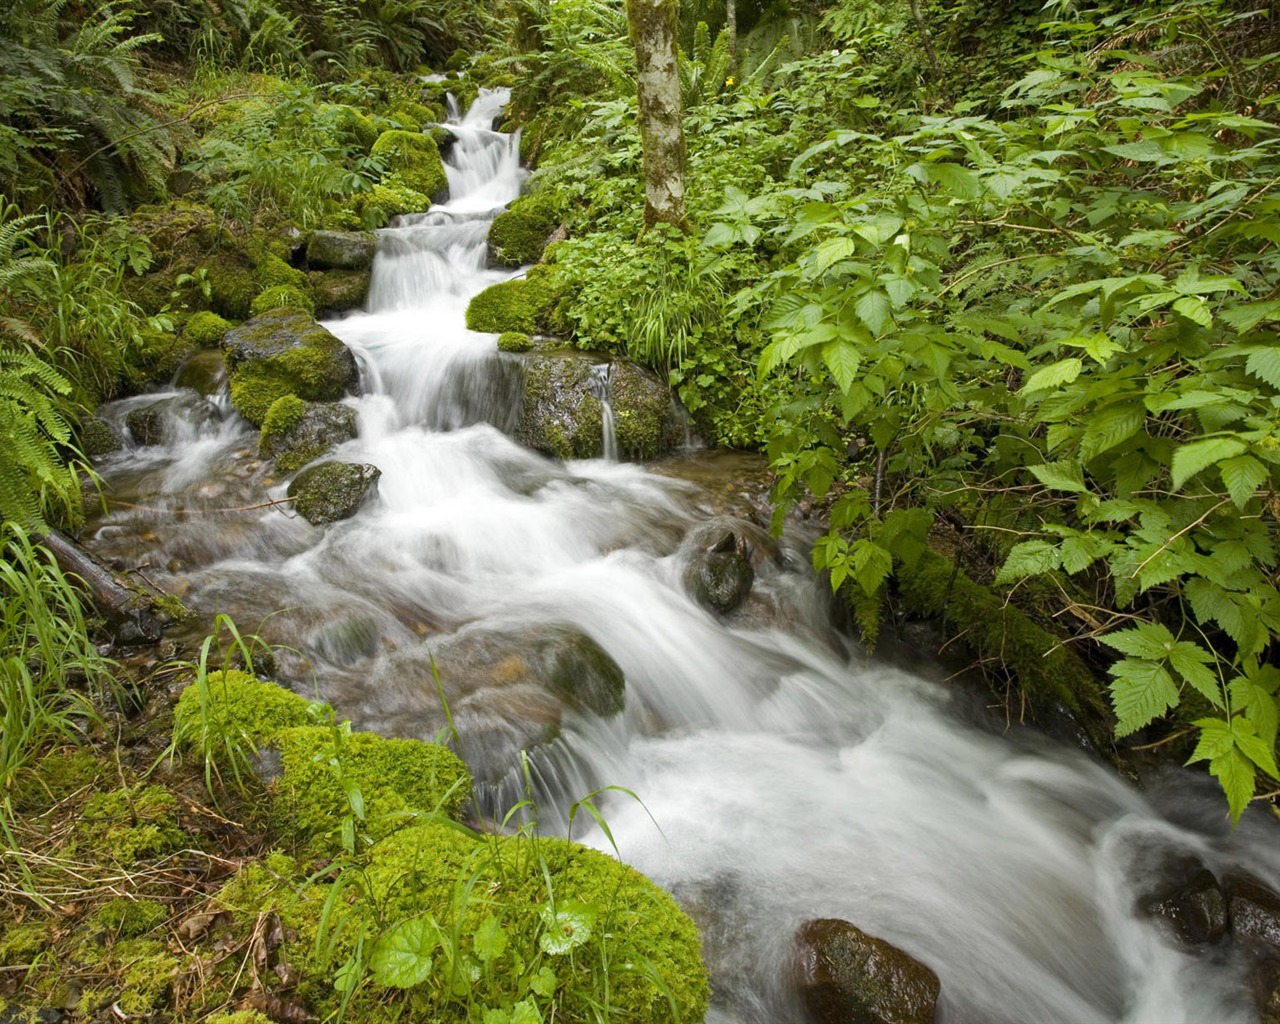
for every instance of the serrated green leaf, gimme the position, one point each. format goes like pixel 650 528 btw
pixel 1064 475
pixel 1148 640
pixel 1191 662
pixel 873 309
pixel 1194 309
pixel 543 983
pixel 1146 151
pixel 959 181
pixel 879 229
pixel 871 564
pixel 1235 774
pixel 1078 553
pixel 1215 740
pixel 831 251
pixel 1141 691
pixel 1055 374
pixel 567 927
pixel 1254 694
pixel 401 958
pixel 1246 316
pixel 1253 747
pixel 1190 459
pixel 1110 427
pixel 842 359
pixel 1264 363
pixel 1029 558
pixel 1242 476
pixel 526 1012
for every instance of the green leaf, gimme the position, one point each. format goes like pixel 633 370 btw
pixel 1254 694
pixel 1064 475
pixel 843 360
pixel 401 958
pixel 1030 558
pixel 959 181
pixel 543 983
pixel 490 940
pixel 1146 151
pixel 1191 661
pixel 1264 363
pixel 1140 692
pixel 1148 640
pixel 1246 316
pixel 1194 309
pixel 567 927
pixel 1062 372
pixel 1242 476
pixel 1190 459
pixel 1235 773
pixel 871 564
pixel 1110 427
pixel 879 229
pixel 873 308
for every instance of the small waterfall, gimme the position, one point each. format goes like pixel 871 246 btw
pixel 599 386
pixel 791 776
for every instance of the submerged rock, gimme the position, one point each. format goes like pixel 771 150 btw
pixel 204 372
pixel 170 419
pixel 1194 912
pixel 720 559
pixel 1254 909
pixel 332 490
pixel 285 352
pixel 845 976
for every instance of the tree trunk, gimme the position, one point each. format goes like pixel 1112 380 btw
pixel 127 611
pixel 731 26
pixel 653 32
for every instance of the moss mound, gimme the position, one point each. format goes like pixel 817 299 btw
pixel 526 304
pixel 389 198
pixel 415 159
pixel 514 341
pixel 205 329
pixel 519 235
pixel 236 706
pixel 281 296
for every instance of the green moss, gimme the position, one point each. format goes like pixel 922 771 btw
pixel 22 943
pixel 232 286
pixel 390 198
pixel 273 272
pixel 59 775
pixel 525 304
pixel 285 413
pixel 995 631
pixel 414 159
pixel 339 290
pixel 295 432
pixel 392 775
pixel 412 116
pixel 146 970
pixel 639 931
pixel 128 918
pixel 514 341
pixel 128 825
pixel 235 704
pixel 354 126
pixel 519 235
pixel 98 438
pixel 169 608
pixel 156 358
pixel 281 296
pixel 205 329
pixel 238 1017
pixel 643 418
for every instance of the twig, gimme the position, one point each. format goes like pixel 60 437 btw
pixel 201 511
pixel 1165 546
pixel 1168 739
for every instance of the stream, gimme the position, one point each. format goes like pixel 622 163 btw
pixel 790 776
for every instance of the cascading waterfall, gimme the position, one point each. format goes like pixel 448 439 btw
pixel 792 777
pixel 599 386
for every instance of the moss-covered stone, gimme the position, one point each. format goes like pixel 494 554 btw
pixel 337 291
pixel 421 869
pixel 285 352
pixel 995 631
pixel 415 159
pixel 271 271
pixel 99 438
pixel 233 704
pixel 341 250
pixel 232 285
pixel 519 235
pixel 156 358
pixel 332 490
pixel 412 116
pixel 558 413
pixel 353 126
pixel 393 776
pixel 281 296
pixel 514 341
pixel 295 432
pixel 205 329
pixel 525 304
pixel 644 415
pixel 389 198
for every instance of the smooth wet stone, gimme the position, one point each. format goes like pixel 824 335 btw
pixel 167 419
pixel 204 372
pixel 332 490
pixel 1255 914
pixel 318 427
pixel 1195 913
pixel 845 976
pixel 341 250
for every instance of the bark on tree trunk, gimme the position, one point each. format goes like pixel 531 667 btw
pixel 731 26
pixel 653 33
pixel 127 611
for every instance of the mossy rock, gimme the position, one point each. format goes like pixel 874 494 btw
pixel 232 284
pixel 281 296
pixel 415 160
pixel 389 198
pixel 99 438
pixel 271 270
pixel 393 776
pixel 205 329
pixel 154 361
pixel 295 432
pixel 332 490
pixel 421 869
pixel 341 250
pixel 285 352
pixel 519 235
pixel 645 417
pixel 559 415
pixel 514 341
pixel 353 125
pixel 525 304
pixel 412 116
pixel 124 826
pixel 338 291
pixel 994 631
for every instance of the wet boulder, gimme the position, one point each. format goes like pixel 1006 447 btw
pixel 718 572
pixel 99 438
pixel 519 235
pixel 845 976
pixel 1195 912
pixel 332 490
pixel 295 432
pixel 285 352
pixel 204 372
pixel 341 250
pixel 559 415
pixel 1254 909
pixel 337 291
pixel 646 417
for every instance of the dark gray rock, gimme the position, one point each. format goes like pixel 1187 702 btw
pixel 845 976
pixel 332 490
pixel 1194 913
pixel 99 438
pixel 337 291
pixel 646 417
pixel 559 415
pixel 720 558
pixel 321 426
pixel 166 420
pixel 341 250
pixel 1254 909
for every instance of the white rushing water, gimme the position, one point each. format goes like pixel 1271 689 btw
pixel 792 777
